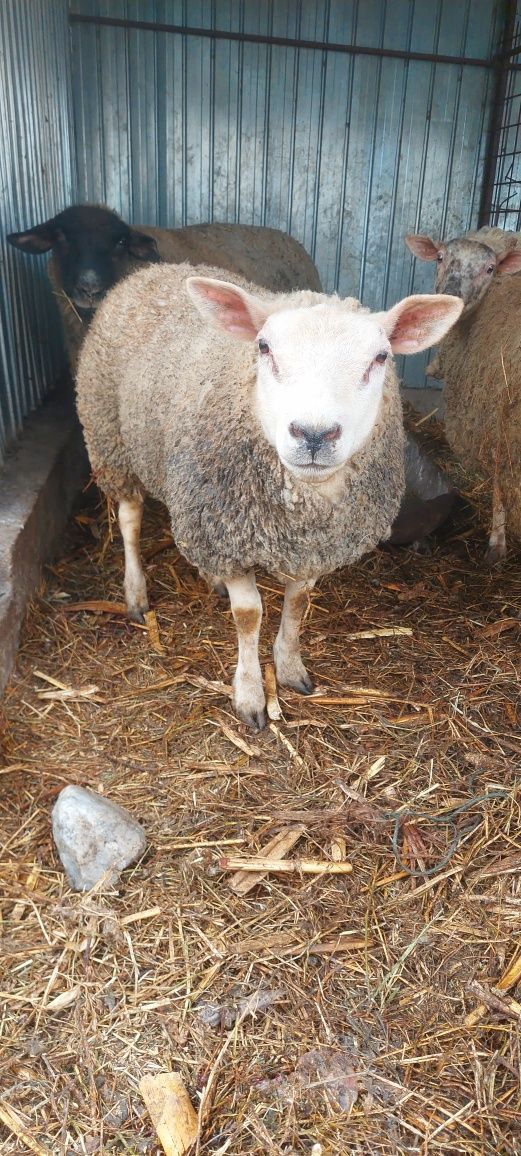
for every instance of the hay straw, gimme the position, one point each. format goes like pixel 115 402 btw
pixel 283 866
pixel 100 990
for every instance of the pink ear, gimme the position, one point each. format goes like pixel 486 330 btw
pixel 227 306
pixel 418 322
pixel 421 246
pixel 511 262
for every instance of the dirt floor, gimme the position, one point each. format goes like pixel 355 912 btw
pixel 371 1013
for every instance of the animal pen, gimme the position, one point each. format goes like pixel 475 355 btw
pixel 356 993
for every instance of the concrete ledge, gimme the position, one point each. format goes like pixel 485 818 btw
pixel 38 483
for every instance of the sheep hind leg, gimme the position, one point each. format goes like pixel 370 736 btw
pixel 130 515
pixel 289 667
pixel 248 691
pixel 215 584
pixel 497 544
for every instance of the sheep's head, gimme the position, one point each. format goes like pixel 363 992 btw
pixel 92 249
pixel 320 367
pixel 465 267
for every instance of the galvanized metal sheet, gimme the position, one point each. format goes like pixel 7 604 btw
pixel 347 153
pixel 36 180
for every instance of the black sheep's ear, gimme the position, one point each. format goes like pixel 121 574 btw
pixel 37 240
pixel 142 246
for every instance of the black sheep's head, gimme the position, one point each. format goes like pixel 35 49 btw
pixel 92 247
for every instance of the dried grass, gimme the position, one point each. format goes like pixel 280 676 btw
pixel 99 990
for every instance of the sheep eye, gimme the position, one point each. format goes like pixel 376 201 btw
pixel 121 243
pixel 263 346
pixel 381 358
pixel 490 268
pixel 439 258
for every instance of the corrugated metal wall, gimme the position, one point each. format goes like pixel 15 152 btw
pixel 36 165
pixel 347 153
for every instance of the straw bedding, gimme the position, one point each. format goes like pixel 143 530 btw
pixel 326 1014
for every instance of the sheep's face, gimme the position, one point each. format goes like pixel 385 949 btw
pixel 320 379
pixel 464 267
pixel 92 249
pixel 320 367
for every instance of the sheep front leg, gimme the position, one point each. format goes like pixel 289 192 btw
pixel 497 543
pixel 286 651
pixel 248 691
pixel 130 515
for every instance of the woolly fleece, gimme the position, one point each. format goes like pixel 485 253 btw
pixel 166 405
pixel 481 359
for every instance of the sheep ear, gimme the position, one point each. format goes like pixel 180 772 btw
pixel 423 247
pixel 419 322
pixel 228 307
pixel 142 246
pixel 37 240
pixel 510 262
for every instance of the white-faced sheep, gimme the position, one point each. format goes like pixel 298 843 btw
pixel 93 249
pixel 270 426
pixel 466 266
pixel 479 361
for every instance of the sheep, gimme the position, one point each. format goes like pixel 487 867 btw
pixel 269 425
pixel 479 362
pixel 93 249
pixel 466 266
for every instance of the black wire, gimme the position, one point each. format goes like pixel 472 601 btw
pixel 446 820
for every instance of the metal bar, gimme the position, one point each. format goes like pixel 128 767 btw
pixel 287 42
pixel 320 136
pixel 454 129
pixel 370 173
pixel 346 157
pixel 502 71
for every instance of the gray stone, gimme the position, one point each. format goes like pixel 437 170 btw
pixel 94 837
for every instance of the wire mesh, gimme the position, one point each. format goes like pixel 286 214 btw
pixel 505 208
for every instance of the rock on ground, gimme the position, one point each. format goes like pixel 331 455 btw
pixel 94 837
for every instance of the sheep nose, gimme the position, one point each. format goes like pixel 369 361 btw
pixel 313 437
pixel 450 284
pixel 88 282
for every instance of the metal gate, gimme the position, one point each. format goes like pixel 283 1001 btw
pixel 502 189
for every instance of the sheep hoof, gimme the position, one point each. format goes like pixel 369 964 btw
pixel 255 718
pixel 137 613
pixel 291 672
pixel 421 546
pixel 495 554
pixel 302 685
pixel 249 702
pixel 214 584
